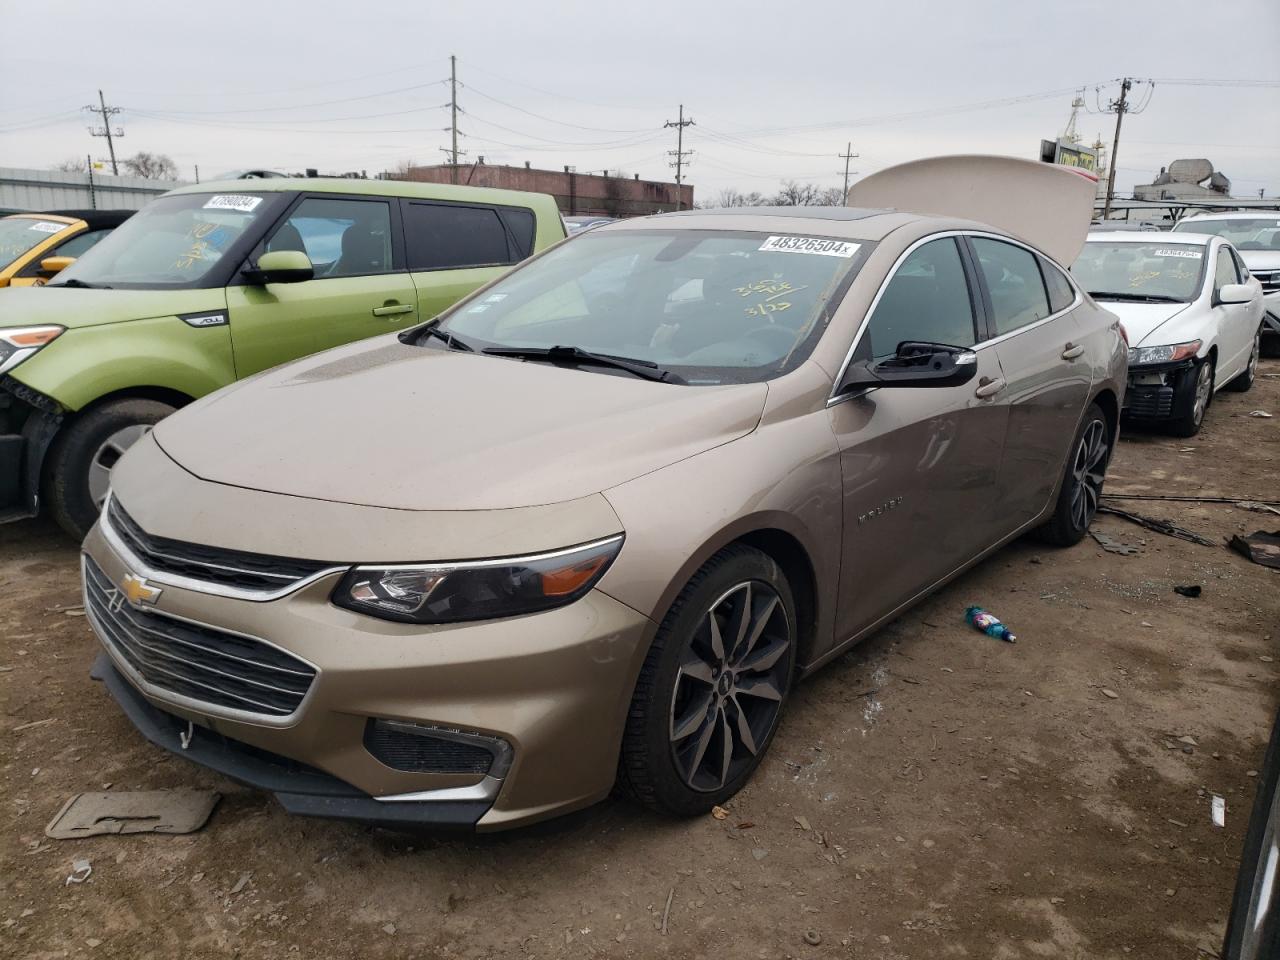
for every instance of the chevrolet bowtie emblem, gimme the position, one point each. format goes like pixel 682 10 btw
pixel 136 590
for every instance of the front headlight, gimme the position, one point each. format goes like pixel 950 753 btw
pixel 1168 353
pixel 476 589
pixel 18 343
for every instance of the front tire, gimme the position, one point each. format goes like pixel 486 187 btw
pixel 1082 479
pixel 80 461
pixel 1193 399
pixel 712 687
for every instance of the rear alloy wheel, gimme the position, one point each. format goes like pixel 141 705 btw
pixel 78 468
pixel 713 686
pixel 1194 399
pixel 1245 380
pixel 1082 481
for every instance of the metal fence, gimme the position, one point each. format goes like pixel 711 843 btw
pixel 22 190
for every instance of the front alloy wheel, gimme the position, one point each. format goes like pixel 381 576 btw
pixel 713 685
pixel 729 686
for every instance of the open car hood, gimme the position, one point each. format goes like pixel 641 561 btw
pixel 1047 205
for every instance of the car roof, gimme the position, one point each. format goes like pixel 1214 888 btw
pixel 380 188
pixel 1232 215
pixel 1134 236
pixel 96 219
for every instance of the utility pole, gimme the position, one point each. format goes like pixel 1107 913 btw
pixel 453 111
pixel 679 153
pixel 1119 107
pixel 105 130
pixel 847 156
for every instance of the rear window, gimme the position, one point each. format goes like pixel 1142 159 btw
pixel 450 236
pixel 1061 294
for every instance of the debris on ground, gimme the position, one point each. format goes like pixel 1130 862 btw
pixel 666 911
pixel 812 937
pixel 1219 811
pixel 1260 413
pixel 720 813
pixel 1110 694
pixel 1114 546
pixel 1259 546
pixel 1159 526
pixel 142 811
pixel 989 624
pixel 241 883
pixel 1191 590
pixel 81 870
pixel 1258 507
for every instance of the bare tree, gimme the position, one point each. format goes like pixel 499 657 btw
pixel 69 165
pixel 151 166
pixel 402 170
pixel 732 197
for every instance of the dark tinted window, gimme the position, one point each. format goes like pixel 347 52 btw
pixel 1060 293
pixel 80 243
pixel 520 225
pixel 927 299
pixel 343 238
pixel 1013 281
pixel 441 236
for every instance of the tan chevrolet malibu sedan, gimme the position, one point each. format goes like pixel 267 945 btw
pixel 590 526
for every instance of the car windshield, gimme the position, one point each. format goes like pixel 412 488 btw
pixel 709 306
pixel 1245 233
pixel 174 241
pixel 1157 270
pixel 20 234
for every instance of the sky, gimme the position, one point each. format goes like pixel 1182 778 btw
pixel 776 91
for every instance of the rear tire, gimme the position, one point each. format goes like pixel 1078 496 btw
pixel 1082 479
pixel 713 686
pixel 83 454
pixel 1244 381
pixel 1193 398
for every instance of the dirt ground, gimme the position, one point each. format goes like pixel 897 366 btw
pixel 934 793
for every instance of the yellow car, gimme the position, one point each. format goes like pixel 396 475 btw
pixel 35 246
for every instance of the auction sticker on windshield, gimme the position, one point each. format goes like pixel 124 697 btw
pixel 230 201
pixel 811 245
pixel 44 226
pixel 1189 254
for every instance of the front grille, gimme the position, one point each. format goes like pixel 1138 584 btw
pixel 1270 280
pixel 1149 402
pixel 199 662
pixel 233 568
pixel 414 748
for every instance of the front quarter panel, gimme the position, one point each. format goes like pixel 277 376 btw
pixel 90 362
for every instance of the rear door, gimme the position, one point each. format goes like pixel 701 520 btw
pixel 453 248
pixel 1046 371
pixel 919 464
pixel 360 288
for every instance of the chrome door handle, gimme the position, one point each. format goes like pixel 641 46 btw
pixel 989 387
pixel 1071 351
pixel 392 309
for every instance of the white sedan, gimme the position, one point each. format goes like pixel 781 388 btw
pixel 1193 315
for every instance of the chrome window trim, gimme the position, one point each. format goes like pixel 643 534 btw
pixel 835 397
pixel 203 707
pixel 203 586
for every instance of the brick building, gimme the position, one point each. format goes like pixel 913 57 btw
pixel 576 193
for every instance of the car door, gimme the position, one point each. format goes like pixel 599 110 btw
pixel 1046 372
pixel 360 287
pixel 919 464
pixel 453 248
pixel 1234 320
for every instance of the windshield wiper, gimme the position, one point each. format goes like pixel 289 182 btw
pixel 561 354
pixel 79 284
pixel 1137 297
pixel 455 343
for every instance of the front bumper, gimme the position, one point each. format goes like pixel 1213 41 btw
pixel 555 686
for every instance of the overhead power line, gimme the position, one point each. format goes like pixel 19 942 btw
pixel 563 123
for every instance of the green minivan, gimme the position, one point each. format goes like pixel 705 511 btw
pixel 212 283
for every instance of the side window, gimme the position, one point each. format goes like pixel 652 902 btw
pixel 1061 294
pixel 520 225
pixel 1241 269
pixel 443 236
pixel 1225 269
pixel 927 299
pixel 72 248
pixel 343 238
pixel 1014 283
